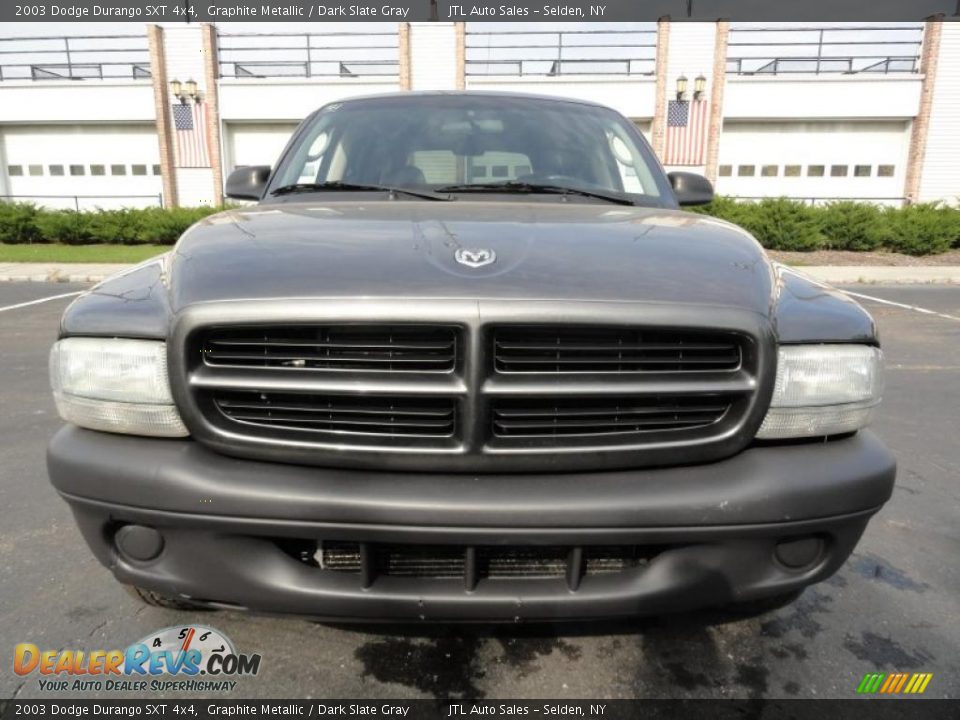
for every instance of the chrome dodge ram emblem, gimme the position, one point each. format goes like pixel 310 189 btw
pixel 474 258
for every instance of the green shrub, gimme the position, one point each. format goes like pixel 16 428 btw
pixel 726 209
pixel 854 226
pixel 923 229
pixel 17 223
pixel 164 227
pixel 26 223
pixel 66 227
pixel 782 224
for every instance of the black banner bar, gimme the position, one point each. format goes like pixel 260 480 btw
pixel 865 709
pixel 473 10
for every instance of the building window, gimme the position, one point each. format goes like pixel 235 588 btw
pixel 138 169
pixel 118 169
pixel 815 170
pixel 861 170
pixel 726 170
pixel 791 171
pixel 521 170
pixel 56 170
pixel 77 170
pixel 479 171
pixel 35 170
pixel 98 170
pixel 769 170
pixel 746 170
pixel 884 170
pixel 156 169
pixel 838 171
pixel 14 170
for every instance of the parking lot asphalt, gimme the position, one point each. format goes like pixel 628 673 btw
pixel 893 607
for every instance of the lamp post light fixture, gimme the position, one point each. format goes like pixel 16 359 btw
pixel 681 87
pixel 699 85
pixel 185 91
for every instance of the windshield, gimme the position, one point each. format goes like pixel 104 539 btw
pixel 443 143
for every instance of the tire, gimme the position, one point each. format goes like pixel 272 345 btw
pixel 155 599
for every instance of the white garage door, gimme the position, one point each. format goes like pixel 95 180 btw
pixel 82 166
pixel 817 160
pixel 255 143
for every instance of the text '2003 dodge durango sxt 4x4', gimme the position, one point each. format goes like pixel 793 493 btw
pixel 465 359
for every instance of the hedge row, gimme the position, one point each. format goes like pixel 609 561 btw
pixel 782 224
pixel 778 223
pixel 26 223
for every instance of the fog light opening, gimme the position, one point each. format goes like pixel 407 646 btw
pixel 800 553
pixel 138 542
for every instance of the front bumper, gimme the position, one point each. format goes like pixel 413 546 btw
pixel 228 524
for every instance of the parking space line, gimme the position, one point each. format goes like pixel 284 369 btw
pixel 41 300
pixel 915 308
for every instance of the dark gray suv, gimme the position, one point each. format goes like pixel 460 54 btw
pixel 466 359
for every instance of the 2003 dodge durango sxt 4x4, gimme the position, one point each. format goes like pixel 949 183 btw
pixel 465 359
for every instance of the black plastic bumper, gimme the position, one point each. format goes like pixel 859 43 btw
pixel 226 523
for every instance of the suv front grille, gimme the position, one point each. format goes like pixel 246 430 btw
pixel 358 348
pixel 347 414
pixel 604 416
pixel 538 349
pixel 487 387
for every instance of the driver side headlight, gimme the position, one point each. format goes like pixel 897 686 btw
pixel 115 385
pixel 823 390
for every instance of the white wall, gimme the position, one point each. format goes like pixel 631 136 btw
pixel 254 143
pixel 433 56
pixel 633 97
pixel 823 96
pixel 940 179
pixel 86 146
pixel 290 99
pixel 810 144
pixel 82 101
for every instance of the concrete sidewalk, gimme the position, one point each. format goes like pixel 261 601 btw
pixel 837 274
pixel 59 272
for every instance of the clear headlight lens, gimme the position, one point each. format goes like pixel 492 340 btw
pixel 823 390
pixel 115 385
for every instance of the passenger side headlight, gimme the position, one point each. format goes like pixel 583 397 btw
pixel 823 390
pixel 115 385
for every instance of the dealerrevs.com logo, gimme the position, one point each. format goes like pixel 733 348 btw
pixel 198 658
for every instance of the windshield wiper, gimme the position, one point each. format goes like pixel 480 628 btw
pixel 336 185
pixel 514 186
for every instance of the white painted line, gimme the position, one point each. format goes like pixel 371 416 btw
pixel 41 300
pixel 915 308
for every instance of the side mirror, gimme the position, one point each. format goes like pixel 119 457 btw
pixel 247 183
pixel 690 188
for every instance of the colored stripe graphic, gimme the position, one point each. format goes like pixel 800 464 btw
pixel 894 683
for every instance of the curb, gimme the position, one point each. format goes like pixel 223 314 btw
pixel 870 275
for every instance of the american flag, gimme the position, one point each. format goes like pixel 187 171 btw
pixel 189 119
pixel 686 133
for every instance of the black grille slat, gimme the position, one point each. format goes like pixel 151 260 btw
pixel 558 350
pixel 474 563
pixel 347 414
pixel 357 348
pixel 508 412
pixel 531 417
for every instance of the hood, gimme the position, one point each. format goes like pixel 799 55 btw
pixel 544 251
